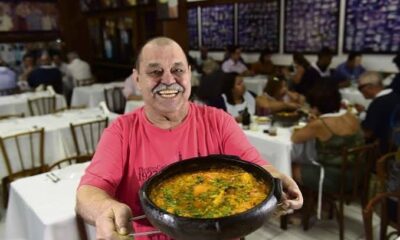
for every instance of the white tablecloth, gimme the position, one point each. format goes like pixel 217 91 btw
pixel 58 139
pixel 18 103
pixel 279 150
pixel 133 105
pixel 354 96
pixel 256 83
pixel 92 95
pixel 41 209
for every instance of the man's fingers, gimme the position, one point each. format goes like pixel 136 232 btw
pixel 122 215
pixel 105 229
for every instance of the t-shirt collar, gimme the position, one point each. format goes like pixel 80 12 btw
pixel 384 92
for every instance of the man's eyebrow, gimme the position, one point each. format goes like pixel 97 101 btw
pixel 153 65
pixel 178 64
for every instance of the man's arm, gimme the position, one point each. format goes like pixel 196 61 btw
pixel 110 217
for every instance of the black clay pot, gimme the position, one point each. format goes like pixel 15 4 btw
pixel 231 227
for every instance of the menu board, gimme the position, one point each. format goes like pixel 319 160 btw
pixel 217 26
pixel 258 26
pixel 193 28
pixel 372 26
pixel 311 25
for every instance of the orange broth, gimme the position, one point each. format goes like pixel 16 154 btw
pixel 213 193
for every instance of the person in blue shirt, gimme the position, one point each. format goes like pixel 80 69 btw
pixel 349 71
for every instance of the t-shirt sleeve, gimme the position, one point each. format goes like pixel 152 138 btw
pixel 106 168
pixel 236 143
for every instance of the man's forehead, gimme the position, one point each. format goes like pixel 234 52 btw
pixel 166 54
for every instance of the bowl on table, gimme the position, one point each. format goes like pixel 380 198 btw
pixel 192 214
pixel 287 119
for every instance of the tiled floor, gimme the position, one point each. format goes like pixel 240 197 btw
pixel 323 229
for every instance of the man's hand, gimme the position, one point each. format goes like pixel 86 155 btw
pixel 292 198
pixel 110 217
pixel 113 223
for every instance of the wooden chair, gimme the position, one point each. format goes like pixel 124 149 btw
pixel 69 161
pixel 23 154
pixel 42 105
pixel 86 135
pixel 381 199
pixel 84 82
pixel 115 99
pixel 364 158
pixel 382 166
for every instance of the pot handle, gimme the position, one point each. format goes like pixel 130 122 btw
pixel 278 189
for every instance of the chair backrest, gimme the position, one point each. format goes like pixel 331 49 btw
pixel 382 168
pixel 42 105
pixel 381 200
pixel 86 135
pixel 23 153
pixel 69 161
pixel 115 99
pixel 84 82
pixel 9 91
pixel 360 161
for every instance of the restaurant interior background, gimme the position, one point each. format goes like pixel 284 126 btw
pixel 107 34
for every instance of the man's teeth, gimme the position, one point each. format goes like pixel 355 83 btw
pixel 168 93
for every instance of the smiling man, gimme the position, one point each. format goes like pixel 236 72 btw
pixel 167 129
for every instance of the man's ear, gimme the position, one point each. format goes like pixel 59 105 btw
pixel 135 77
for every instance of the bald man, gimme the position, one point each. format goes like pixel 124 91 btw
pixel 167 129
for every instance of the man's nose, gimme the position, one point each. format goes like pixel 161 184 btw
pixel 168 78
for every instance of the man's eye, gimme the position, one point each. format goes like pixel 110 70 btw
pixel 156 72
pixel 178 71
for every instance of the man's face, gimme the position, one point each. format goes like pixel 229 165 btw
pixel 355 62
pixel 164 77
pixel 236 55
pixel 325 61
pixel 366 90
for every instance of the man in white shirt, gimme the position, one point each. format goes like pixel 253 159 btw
pixel 233 64
pixel 78 68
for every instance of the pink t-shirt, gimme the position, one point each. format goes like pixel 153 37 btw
pixel 132 149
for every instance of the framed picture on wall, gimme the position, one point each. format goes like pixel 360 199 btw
pixel 217 26
pixel 167 9
pixel 372 27
pixel 311 25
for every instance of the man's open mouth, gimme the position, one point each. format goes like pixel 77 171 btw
pixel 168 93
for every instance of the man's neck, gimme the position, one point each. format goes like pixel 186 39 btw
pixel 166 120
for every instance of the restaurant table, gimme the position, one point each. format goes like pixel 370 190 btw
pixel 38 208
pixel 92 95
pixel 256 83
pixel 353 96
pixel 58 138
pixel 279 150
pixel 18 103
pixel 133 105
